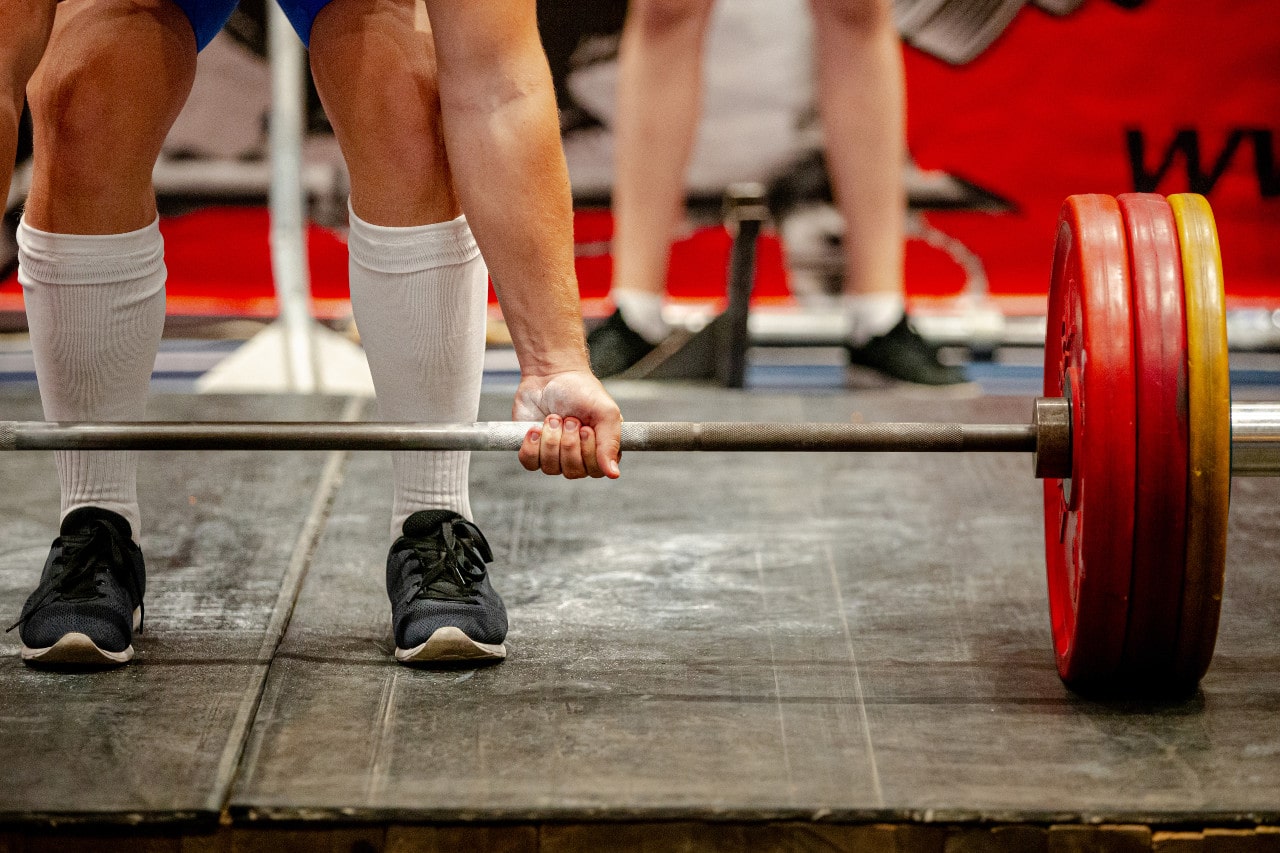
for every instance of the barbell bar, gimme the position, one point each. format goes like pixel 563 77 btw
pixel 1255 437
pixel 508 435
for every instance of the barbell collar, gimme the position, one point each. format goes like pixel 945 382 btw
pixel 1051 420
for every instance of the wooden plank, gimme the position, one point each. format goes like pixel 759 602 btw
pixel 447 839
pixel 1099 839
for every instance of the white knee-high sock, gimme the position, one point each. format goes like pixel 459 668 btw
pixel 419 296
pixel 95 307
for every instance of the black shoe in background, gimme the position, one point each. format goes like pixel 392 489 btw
pixel 901 353
pixel 614 346
pixel 443 608
pixel 89 600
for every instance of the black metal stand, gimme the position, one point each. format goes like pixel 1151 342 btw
pixel 718 352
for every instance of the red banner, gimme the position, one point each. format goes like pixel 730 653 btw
pixel 1171 96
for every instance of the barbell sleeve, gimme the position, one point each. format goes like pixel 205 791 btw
pixel 1255 439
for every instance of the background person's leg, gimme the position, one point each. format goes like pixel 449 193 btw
pixel 860 95
pixel 659 99
pixel 862 102
pixel 24 32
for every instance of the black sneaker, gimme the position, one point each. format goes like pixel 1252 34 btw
pixel 614 346
pixel 89 600
pixel 902 354
pixel 442 605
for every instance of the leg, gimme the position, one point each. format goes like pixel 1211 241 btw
pixel 375 70
pixel 418 285
pixel 25 25
pixel 659 99
pixel 419 288
pixel 860 94
pixel 112 82
pixel 92 270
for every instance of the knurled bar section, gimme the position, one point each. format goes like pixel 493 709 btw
pixel 924 437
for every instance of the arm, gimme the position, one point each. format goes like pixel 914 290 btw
pixel 502 136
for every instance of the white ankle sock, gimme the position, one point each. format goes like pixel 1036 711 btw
pixel 872 314
pixel 420 295
pixel 642 311
pixel 95 305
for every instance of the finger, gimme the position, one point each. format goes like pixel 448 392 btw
pixel 529 450
pixel 588 438
pixel 571 464
pixel 609 446
pixel 549 446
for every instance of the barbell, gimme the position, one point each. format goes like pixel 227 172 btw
pixel 1136 440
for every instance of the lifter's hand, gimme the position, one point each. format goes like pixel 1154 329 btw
pixel 581 432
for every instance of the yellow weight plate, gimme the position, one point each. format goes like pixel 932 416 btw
pixel 1209 400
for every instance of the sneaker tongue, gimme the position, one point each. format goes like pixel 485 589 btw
pixel 79 519
pixel 426 521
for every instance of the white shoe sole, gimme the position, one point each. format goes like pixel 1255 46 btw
pixel 76 649
pixel 451 644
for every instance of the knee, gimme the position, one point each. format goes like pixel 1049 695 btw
pixel 101 112
pixel 77 125
pixel 858 17
pixel 26 25
pixel 657 18
pixel 386 116
pixel 388 112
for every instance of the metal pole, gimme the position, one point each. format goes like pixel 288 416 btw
pixel 288 219
pixel 745 213
pixel 507 435
pixel 1255 439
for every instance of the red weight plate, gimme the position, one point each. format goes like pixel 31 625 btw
pixel 1160 509
pixel 1089 518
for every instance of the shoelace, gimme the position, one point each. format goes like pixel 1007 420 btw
pixel 75 572
pixel 456 555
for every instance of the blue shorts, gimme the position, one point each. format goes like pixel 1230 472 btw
pixel 208 16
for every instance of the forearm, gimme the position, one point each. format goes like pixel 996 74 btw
pixel 502 136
